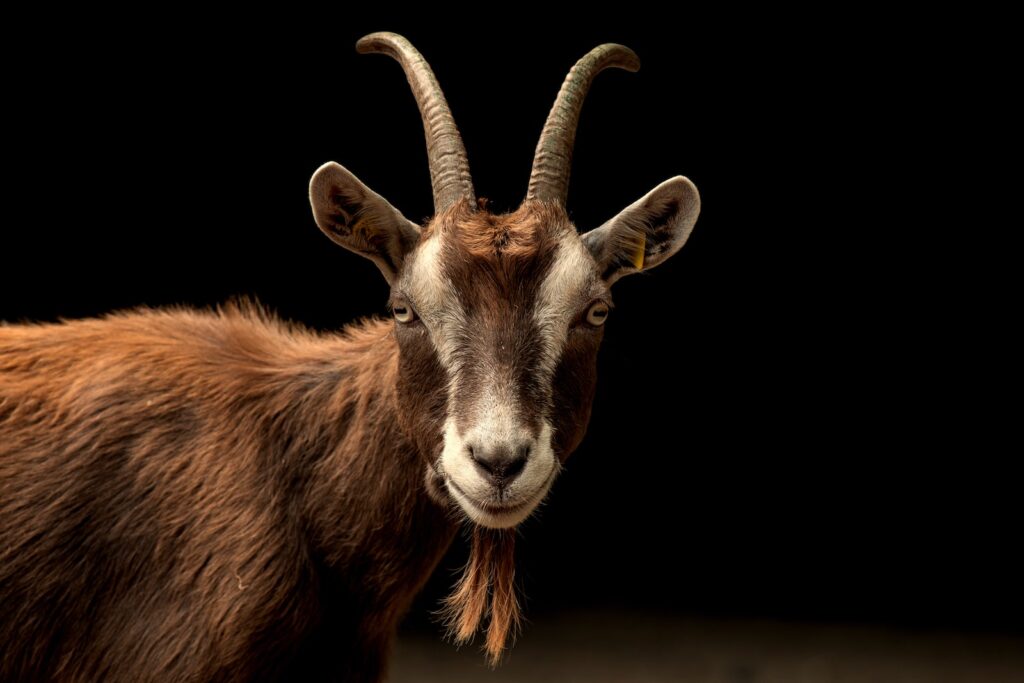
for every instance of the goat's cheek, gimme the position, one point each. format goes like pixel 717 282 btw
pixel 575 381
pixel 422 391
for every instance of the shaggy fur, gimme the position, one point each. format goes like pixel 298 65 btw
pixel 201 496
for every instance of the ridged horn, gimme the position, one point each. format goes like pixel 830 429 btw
pixel 549 180
pixel 449 167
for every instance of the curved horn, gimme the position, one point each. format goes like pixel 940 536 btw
pixel 549 180
pixel 449 167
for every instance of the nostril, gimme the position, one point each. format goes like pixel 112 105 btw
pixel 480 458
pixel 515 466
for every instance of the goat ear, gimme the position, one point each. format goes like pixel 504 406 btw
pixel 361 220
pixel 646 232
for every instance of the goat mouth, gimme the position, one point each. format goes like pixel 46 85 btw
pixel 490 508
pixel 499 509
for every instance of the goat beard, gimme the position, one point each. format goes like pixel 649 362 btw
pixel 489 573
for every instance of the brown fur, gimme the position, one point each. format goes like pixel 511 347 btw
pixel 200 496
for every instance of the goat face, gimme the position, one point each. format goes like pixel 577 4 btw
pixel 498 317
pixel 508 312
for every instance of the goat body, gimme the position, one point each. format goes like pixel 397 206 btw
pixel 205 496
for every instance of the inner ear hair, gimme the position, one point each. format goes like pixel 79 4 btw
pixel 647 232
pixel 359 219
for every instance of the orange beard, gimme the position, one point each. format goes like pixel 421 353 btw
pixel 490 572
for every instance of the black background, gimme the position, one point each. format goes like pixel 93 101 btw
pixel 782 427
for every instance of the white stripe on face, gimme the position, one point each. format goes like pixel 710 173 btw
pixel 436 300
pixel 567 285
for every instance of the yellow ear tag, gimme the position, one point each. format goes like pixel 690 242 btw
pixel 638 255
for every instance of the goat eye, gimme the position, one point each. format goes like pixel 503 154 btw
pixel 597 313
pixel 403 313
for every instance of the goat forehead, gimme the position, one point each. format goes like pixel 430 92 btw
pixel 500 288
pixel 460 277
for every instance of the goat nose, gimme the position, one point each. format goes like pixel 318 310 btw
pixel 500 464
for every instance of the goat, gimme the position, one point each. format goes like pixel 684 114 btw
pixel 221 496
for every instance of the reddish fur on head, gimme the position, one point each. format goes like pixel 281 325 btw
pixel 520 234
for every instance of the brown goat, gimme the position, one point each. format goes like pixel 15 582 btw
pixel 220 496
